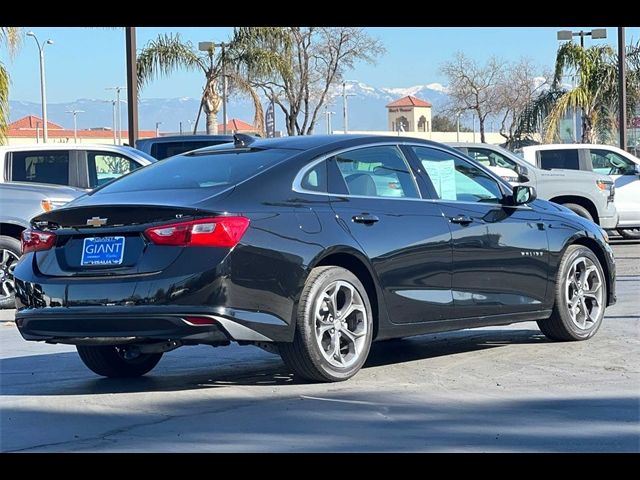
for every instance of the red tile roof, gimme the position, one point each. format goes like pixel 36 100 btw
pixel 31 121
pixel 409 101
pixel 63 133
pixel 236 125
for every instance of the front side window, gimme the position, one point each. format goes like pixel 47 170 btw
pixel 456 179
pixel 566 159
pixel 376 172
pixel 107 166
pixel 611 163
pixel 41 167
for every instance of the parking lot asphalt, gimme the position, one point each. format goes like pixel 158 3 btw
pixel 489 389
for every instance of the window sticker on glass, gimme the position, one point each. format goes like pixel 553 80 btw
pixel 443 176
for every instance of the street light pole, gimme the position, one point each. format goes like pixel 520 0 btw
pixel 622 87
pixel 158 128
pixel 345 108
pixel 75 123
pixel 43 85
pixel 328 115
pixel 119 113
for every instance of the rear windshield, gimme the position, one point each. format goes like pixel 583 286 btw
pixel 215 171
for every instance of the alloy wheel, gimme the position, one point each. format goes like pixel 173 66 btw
pixel 584 293
pixel 340 324
pixel 8 261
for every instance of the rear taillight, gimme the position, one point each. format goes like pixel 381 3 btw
pixel 204 232
pixel 36 241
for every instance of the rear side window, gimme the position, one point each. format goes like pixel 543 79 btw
pixel 215 171
pixel 316 178
pixel 164 150
pixel 41 167
pixel 567 159
pixel 376 172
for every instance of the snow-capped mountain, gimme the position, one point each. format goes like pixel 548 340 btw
pixel 366 108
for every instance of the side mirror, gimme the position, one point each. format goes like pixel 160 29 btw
pixel 522 194
pixel 523 174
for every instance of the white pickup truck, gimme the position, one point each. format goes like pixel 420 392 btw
pixel 588 194
pixel 621 166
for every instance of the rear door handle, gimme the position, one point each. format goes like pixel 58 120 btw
pixel 365 218
pixel 461 219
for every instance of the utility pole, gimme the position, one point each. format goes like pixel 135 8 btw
pixel 75 123
pixel 458 127
pixel 622 87
pixel 345 108
pixel 180 127
pixel 118 112
pixel 132 86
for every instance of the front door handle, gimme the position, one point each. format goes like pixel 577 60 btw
pixel 365 218
pixel 461 219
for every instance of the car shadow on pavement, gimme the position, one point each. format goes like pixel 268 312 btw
pixel 64 373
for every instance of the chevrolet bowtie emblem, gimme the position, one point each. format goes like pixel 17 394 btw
pixel 96 221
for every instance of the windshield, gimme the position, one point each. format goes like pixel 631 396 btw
pixel 215 170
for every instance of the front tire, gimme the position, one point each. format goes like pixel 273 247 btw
pixel 110 361
pixel 579 210
pixel 580 297
pixel 334 327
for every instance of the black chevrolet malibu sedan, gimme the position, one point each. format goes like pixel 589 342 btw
pixel 312 247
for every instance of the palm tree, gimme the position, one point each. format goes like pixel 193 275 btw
pixel 167 53
pixel 597 75
pixel 596 93
pixel 11 37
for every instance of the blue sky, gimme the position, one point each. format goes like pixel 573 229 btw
pixel 84 61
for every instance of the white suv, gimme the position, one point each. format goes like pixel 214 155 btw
pixel 621 166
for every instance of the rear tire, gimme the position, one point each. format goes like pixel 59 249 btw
pixel 109 361
pixel 579 210
pixel 579 282
pixel 10 253
pixel 334 327
pixel 630 233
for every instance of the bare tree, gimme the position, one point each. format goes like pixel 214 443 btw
pixel 307 61
pixel 475 87
pixel 519 86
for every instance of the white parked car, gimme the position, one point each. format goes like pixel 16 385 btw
pixel 621 166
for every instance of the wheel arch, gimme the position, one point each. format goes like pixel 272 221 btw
pixel 582 201
pixel 11 230
pixel 358 264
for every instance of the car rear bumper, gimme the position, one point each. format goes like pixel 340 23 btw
pixel 96 325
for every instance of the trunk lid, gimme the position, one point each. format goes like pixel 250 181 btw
pixel 77 227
